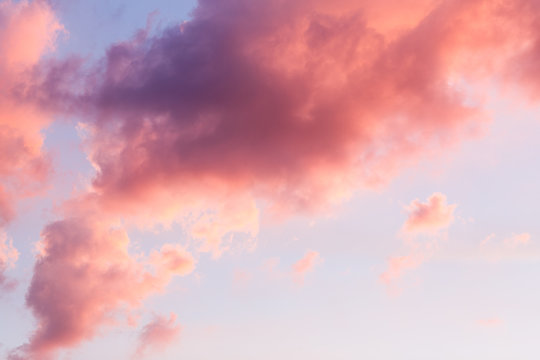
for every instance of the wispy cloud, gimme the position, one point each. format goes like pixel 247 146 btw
pixel 157 335
pixel 306 265
pixel 428 219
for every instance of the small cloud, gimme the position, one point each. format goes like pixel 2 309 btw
pixel 424 218
pixel 429 217
pixel 157 334
pixel 306 265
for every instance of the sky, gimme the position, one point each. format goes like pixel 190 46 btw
pixel 269 179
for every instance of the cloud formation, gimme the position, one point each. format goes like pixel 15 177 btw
pixel 86 278
pixel 297 105
pixel 157 334
pixel 27 31
pixel 291 106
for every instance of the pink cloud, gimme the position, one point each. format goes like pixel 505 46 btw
pixel 7 213
pixel 173 259
pixel 283 116
pixel 306 265
pixel 427 219
pixel 293 105
pixel 27 31
pixel 433 215
pixel 85 278
pixel 157 334
pixel 238 215
pixel 38 38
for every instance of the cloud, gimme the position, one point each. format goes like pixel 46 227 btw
pixel 86 278
pixel 173 259
pixel 27 31
pixel 522 67
pixel 425 219
pixel 518 240
pixel 7 213
pixel 8 258
pixel 290 106
pixel 397 265
pixel 238 215
pixel 295 105
pixel 433 215
pixel 41 36
pixel 512 248
pixel 306 265
pixel 157 334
